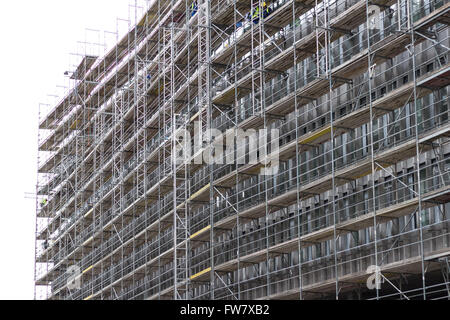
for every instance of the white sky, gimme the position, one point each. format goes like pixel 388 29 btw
pixel 37 38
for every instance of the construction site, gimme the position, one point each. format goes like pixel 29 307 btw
pixel 356 89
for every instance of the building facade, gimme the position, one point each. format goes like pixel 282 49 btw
pixel 352 98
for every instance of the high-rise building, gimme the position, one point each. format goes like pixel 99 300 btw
pixel 347 195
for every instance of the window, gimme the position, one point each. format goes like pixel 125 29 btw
pixel 362 101
pixel 447 162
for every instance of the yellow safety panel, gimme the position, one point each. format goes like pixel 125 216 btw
pixel 195 116
pixel 180 206
pixel 200 273
pixel 88 269
pixel 75 124
pixel 88 213
pixel 158 90
pixel 88 240
pixel 316 136
pixel 227 96
pixel 195 195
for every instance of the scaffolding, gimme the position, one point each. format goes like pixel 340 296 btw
pixel 358 92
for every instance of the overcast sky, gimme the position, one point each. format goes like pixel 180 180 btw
pixel 37 40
